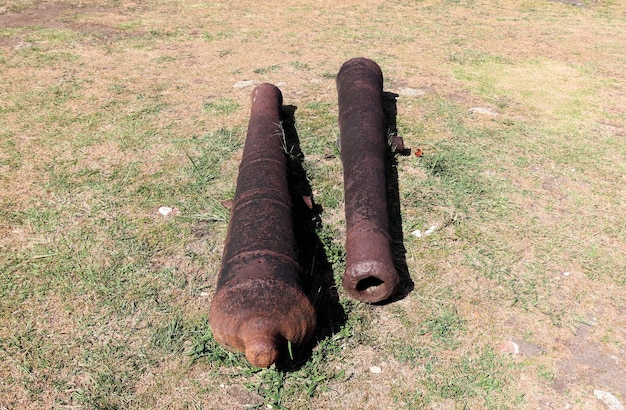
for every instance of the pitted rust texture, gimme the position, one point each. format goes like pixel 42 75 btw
pixel 259 305
pixel 370 274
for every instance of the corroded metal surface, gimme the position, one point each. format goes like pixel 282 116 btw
pixel 259 305
pixel 370 274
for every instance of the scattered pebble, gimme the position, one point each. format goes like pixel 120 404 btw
pixel 484 111
pixel 227 203
pixel 23 46
pixel 570 2
pixel 608 399
pixel 566 274
pixel 244 83
pixel 411 92
pixel 418 233
pixel 375 369
pixel 509 346
pixel 349 374
pixel 167 211
pixel 204 294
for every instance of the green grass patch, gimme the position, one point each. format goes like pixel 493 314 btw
pixel 294 380
pixel 221 106
pixel 481 376
pixel 266 70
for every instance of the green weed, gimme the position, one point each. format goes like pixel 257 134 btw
pixel 266 70
pixel 300 65
pixel 210 149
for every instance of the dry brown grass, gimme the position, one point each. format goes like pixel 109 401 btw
pixel 104 104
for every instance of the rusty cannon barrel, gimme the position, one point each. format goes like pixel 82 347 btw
pixel 259 305
pixel 370 274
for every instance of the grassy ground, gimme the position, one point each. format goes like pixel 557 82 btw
pixel 111 109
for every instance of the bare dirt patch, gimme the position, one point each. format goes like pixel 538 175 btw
pixel 591 365
pixel 65 17
pixel 44 15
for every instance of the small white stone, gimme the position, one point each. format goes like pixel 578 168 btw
pixel 165 210
pixel 411 92
pixel 23 46
pixel 509 346
pixel 608 399
pixel 204 294
pixel 419 234
pixel 244 83
pixel 483 111
pixel 375 369
pixel 566 274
